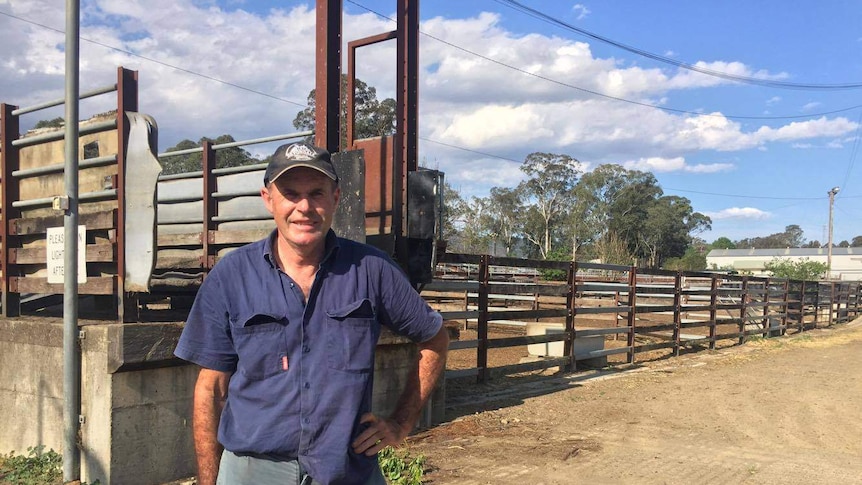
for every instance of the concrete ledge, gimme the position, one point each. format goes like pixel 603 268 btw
pixel 580 345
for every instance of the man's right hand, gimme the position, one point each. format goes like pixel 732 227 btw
pixel 209 398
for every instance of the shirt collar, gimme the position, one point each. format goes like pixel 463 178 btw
pixel 331 245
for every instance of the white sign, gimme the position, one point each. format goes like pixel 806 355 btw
pixel 56 249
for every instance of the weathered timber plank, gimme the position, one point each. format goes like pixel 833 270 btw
pixel 238 237
pixel 185 239
pixel 178 262
pixel 39 225
pixel 102 285
pixel 96 253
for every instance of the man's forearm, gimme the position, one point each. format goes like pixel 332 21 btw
pixel 421 382
pixel 209 399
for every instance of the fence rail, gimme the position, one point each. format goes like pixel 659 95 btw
pixel 625 313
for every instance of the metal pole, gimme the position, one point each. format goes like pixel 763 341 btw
pixel 71 351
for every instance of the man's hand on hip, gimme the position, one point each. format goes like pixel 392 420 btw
pixel 381 432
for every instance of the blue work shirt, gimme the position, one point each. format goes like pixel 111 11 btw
pixel 302 371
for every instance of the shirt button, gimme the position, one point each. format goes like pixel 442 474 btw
pixel 307 385
pixel 307 420
pixel 306 349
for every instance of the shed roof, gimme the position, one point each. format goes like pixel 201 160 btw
pixel 783 252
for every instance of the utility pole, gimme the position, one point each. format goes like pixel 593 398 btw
pixel 71 350
pixel 831 194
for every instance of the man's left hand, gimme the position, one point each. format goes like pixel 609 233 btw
pixel 381 432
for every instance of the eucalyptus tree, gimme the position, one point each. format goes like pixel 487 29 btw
pixel 668 229
pixel 192 162
pixel 502 214
pixel 546 194
pixel 600 195
pixel 373 117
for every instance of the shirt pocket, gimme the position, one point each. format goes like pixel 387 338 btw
pixel 260 344
pixel 351 336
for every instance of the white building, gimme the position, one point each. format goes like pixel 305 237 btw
pixel 846 262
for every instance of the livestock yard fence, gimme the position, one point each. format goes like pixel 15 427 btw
pixel 547 314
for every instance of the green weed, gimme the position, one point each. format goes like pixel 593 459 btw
pixel 400 468
pixel 38 467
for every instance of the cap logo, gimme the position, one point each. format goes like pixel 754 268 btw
pixel 299 152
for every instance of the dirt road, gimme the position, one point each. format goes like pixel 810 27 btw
pixel 777 411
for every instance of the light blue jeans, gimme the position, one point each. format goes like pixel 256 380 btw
pixel 247 470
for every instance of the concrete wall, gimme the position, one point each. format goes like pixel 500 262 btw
pixel 136 399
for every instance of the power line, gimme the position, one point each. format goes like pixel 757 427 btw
pixel 607 96
pixel 469 150
pixel 709 72
pixel 187 71
pixel 743 196
pixel 853 152
pixel 205 76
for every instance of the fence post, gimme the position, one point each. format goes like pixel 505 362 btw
pixel 127 101
pixel 482 330
pixel 713 311
pixel 9 162
pixel 677 315
pixel 568 344
pixel 786 307
pixel 743 309
pixel 210 206
pixel 802 306
pixel 630 341
pixel 766 322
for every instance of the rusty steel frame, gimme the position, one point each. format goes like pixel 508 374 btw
pixel 210 206
pixel 404 154
pixel 327 109
pixel 127 101
pixel 9 162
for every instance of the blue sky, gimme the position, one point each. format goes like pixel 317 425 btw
pixel 498 81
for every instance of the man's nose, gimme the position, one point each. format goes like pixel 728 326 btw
pixel 303 204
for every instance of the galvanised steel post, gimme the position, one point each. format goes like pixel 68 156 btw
pixel 71 349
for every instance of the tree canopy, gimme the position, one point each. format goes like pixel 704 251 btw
pixel 373 117
pixel 803 269
pixel 612 214
pixel 191 162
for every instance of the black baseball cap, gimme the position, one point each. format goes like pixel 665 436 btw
pixel 300 154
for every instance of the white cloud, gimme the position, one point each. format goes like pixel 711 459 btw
pixel 465 100
pixel 811 106
pixel 739 213
pixel 677 164
pixel 581 10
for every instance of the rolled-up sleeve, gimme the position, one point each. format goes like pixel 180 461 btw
pixel 206 338
pixel 403 310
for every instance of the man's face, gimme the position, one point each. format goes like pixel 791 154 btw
pixel 302 202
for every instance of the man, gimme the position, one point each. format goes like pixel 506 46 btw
pixel 285 331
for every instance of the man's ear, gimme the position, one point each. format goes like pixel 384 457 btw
pixel 267 198
pixel 337 195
